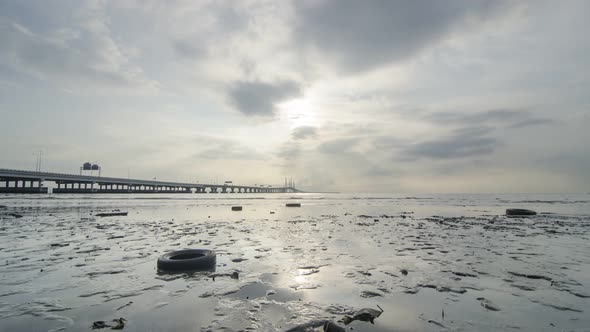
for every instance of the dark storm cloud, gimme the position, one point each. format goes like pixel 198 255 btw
pixel 258 98
pixel 466 142
pixel 361 35
pixel 304 132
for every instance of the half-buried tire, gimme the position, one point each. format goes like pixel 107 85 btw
pixel 187 260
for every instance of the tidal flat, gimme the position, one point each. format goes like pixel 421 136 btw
pixel 431 262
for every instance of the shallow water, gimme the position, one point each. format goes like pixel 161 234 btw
pixel 63 268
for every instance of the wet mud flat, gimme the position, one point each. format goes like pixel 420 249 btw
pixel 63 267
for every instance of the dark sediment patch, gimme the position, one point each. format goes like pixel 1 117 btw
pixel 530 276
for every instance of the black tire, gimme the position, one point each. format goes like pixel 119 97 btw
pixel 520 212
pixel 188 260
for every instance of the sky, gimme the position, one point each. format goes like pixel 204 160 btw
pixel 389 96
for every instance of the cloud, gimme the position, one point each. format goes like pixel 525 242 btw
pixel 258 98
pixel 187 49
pixel 361 35
pixel 462 143
pixel 289 151
pixel 219 148
pixel 510 118
pixel 533 122
pixel 339 145
pixel 201 25
pixel 304 132
pixel 84 56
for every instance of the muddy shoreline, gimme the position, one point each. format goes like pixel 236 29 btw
pixel 64 267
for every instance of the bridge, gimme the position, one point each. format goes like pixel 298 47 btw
pixel 29 182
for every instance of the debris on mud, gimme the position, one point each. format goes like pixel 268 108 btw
pixel 125 305
pixel 117 324
pixel 364 315
pixel 520 212
pixel 309 326
pixel 111 214
pixel 233 275
pixel 488 304
pixel 330 326
pixel 368 294
pixel 530 276
pixel 239 259
pixel 432 321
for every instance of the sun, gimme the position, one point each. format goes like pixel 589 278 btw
pixel 299 112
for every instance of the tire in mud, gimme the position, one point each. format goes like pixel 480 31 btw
pixel 187 260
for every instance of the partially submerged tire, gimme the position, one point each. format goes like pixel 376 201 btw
pixel 520 212
pixel 187 260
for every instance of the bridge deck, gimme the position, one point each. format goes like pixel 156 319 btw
pixel 73 183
